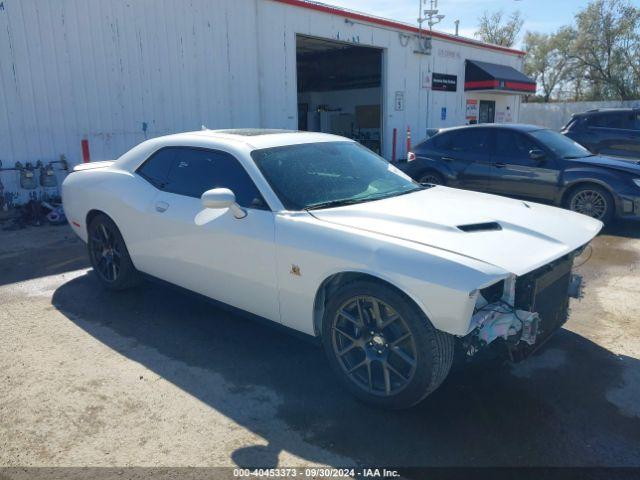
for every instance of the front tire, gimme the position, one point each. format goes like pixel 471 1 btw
pixel 383 348
pixel 109 255
pixel 593 201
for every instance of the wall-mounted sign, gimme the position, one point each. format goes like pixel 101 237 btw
pixel 444 82
pixel 444 53
pixel 472 110
pixel 443 113
pixel 399 105
pixel 426 80
pixel 508 118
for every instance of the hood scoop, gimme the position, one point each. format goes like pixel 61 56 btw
pixel 480 227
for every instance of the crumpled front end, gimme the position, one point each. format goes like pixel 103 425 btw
pixel 523 312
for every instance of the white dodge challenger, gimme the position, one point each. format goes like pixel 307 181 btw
pixel 319 234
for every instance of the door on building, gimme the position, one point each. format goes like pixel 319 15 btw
pixel 487 112
pixel 340 89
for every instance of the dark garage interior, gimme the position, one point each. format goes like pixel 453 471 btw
pixel 339 89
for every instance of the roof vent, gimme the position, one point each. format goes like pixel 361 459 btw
pixel 480 227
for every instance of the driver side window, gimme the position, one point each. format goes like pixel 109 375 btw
pixel 514 148
pixel 193 171
pixel 513 144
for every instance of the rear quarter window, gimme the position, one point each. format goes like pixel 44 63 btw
pixel 573 123
pixel 422 146
pixel 442 141
pixel 156 168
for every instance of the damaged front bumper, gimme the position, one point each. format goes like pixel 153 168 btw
pixel 530 309
pixel 497 320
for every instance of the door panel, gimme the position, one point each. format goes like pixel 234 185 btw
pixel 616 133
pixel 515 173
pixel 208 251
pixel 468 154
pixel 612 141
pixel 211 252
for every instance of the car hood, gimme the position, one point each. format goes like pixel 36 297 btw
pixel 529 235
pixel 630 166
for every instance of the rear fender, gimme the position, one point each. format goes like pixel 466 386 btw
pixel 443 168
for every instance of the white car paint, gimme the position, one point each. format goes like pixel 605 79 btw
pixel 410 241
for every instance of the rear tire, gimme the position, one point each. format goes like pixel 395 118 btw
pixel 431 177
pixel 109 255
pixel 389 355
pixel 593 201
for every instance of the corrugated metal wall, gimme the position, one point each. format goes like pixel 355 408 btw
pixel 117 72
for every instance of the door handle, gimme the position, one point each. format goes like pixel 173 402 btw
pixel 161 206
pixel 499 165
pixel 448 159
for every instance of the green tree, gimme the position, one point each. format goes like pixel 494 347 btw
pixel 547 60
pixel 500 30
pixel 606 44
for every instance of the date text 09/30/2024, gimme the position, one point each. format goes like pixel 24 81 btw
pixel 318 472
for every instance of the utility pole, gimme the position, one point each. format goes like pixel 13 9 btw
pixel 431 17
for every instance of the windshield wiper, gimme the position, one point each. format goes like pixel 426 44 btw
pixel 334 203
pixel 353 201
pixel 574 157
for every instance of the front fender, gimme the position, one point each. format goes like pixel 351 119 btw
pixel 578 175
pixel 439 282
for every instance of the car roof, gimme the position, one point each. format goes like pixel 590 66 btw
pixel 246 138
pixel 258 138
pixel 521 127
pixel 595 111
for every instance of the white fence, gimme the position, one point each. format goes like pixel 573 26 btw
pixel 556 115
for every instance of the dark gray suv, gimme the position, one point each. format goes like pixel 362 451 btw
pixel 613 131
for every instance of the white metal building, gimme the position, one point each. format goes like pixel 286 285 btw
pixel 117 72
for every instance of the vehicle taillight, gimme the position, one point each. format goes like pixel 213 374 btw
pixel 411 156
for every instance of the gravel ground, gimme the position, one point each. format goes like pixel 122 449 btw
pixel 155 377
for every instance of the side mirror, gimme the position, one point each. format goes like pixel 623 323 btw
pixel 536 154
pixel 222 198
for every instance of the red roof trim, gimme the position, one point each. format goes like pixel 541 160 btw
pixel 392 24
pixel 529 87
pixel 481 84
pixel 495 85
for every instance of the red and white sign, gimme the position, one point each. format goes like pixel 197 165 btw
pixel 472 110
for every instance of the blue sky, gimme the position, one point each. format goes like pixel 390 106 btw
pixel 539 15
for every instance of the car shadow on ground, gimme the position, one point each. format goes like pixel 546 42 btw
pixel 571 404
pixel 61 252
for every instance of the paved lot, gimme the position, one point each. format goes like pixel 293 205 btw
pixel 155 377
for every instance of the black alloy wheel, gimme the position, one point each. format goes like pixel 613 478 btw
pixel 374 345
pixel 108 254
pixel 382 346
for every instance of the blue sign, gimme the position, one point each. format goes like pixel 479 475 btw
pixel 443 113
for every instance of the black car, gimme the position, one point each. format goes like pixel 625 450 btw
pixel 528 162
pixel 608 132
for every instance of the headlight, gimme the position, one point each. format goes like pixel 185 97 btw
pixel 636 181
